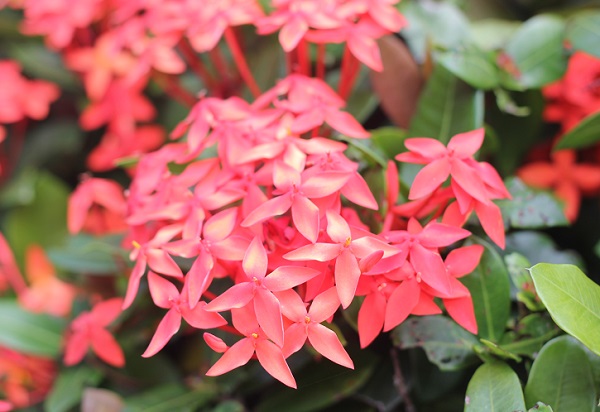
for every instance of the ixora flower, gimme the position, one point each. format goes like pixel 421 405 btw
pixel 577 94
pixel 89 330
pixel 569 180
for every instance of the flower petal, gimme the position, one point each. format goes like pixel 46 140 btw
pixel 237 355
pixel 255 260
pixel 271 358
pixel 268 314
pixel 347 274
pixel 401 303
pixel 326 342
pixel 371 317
pixel 429 178
pixel 168 326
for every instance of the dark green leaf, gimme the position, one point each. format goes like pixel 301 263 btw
pixel 529 335
pixel 561 377
pixel 320 385
pixel 539 247
pixel 43 221
pixel 36 334
pixel 171 397
pixel 530 208
pixel 229 406
pixel 447 106
pixel 583 31
pixel 586 133
pixel 88 254
pixel 40 62
pixel 68 387
pixel 490 289
pixel 472 65
pixel 537 50
pixel 508 105
pixel 494 349
pixel 494 387
pixel 517 133
pixel 446 344
pixel 572 299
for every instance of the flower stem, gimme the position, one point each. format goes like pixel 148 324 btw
pixel 240 61
pixel 172 87
pixel 197 66
pixel 350 69
pixel 321 49
pixel 400 383
pixel 303 57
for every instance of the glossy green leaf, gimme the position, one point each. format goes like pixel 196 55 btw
pixel 472 65
pixel 491 348
pixel 447 106
pixel 89 254
pixel 561 377
pixel 320 385
pixel 494 387
pixel 446 344
pixel 572 299
pixel 586 133
pixel 171 397
pixel 490 288
pixel 530 208
pixel 538 52
pixel 36 334
pixel 229 406
pixel 68 388
pixel 583 32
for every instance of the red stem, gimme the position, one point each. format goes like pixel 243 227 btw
pixel 240 61
pixel 302 51
pixel 222 68
pixel 350 69
pixel 196 64
pixel 172 87
pixel 321 49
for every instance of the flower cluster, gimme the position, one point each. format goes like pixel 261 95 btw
pixel 256 198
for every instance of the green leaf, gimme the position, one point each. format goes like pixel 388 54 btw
pixel 572 299
pixel 538 52
pixel 561 377
pixel 494 387
pixel 171 397
pixel 320 385
pixel 529 335
pixel 586 133
pixel 490 289
pixel 583 32
pixel 389 139
pixel 530 208
pixel 447 106
pixel 43 221
pixel 68 388
pixel 540 407
pixel 496 350
pixel 88 254
pixel 472 65
pixel 440 24
pixel 229 406
pixel 493 34
pixel 36 334
pixel 539 247
pixel 446 344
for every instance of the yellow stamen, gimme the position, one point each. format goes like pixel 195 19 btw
pixel 307 319
pixel 347 242
pixel 136 244
pixel 255 335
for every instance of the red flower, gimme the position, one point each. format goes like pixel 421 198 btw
pixel 89 330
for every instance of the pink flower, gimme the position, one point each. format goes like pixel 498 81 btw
pixel 165 295
pixel 21 98
pixel 259 289
pixel 307 325
pixel 89 330
pixel 256 341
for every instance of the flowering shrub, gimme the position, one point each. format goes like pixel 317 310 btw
pixel 240 210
